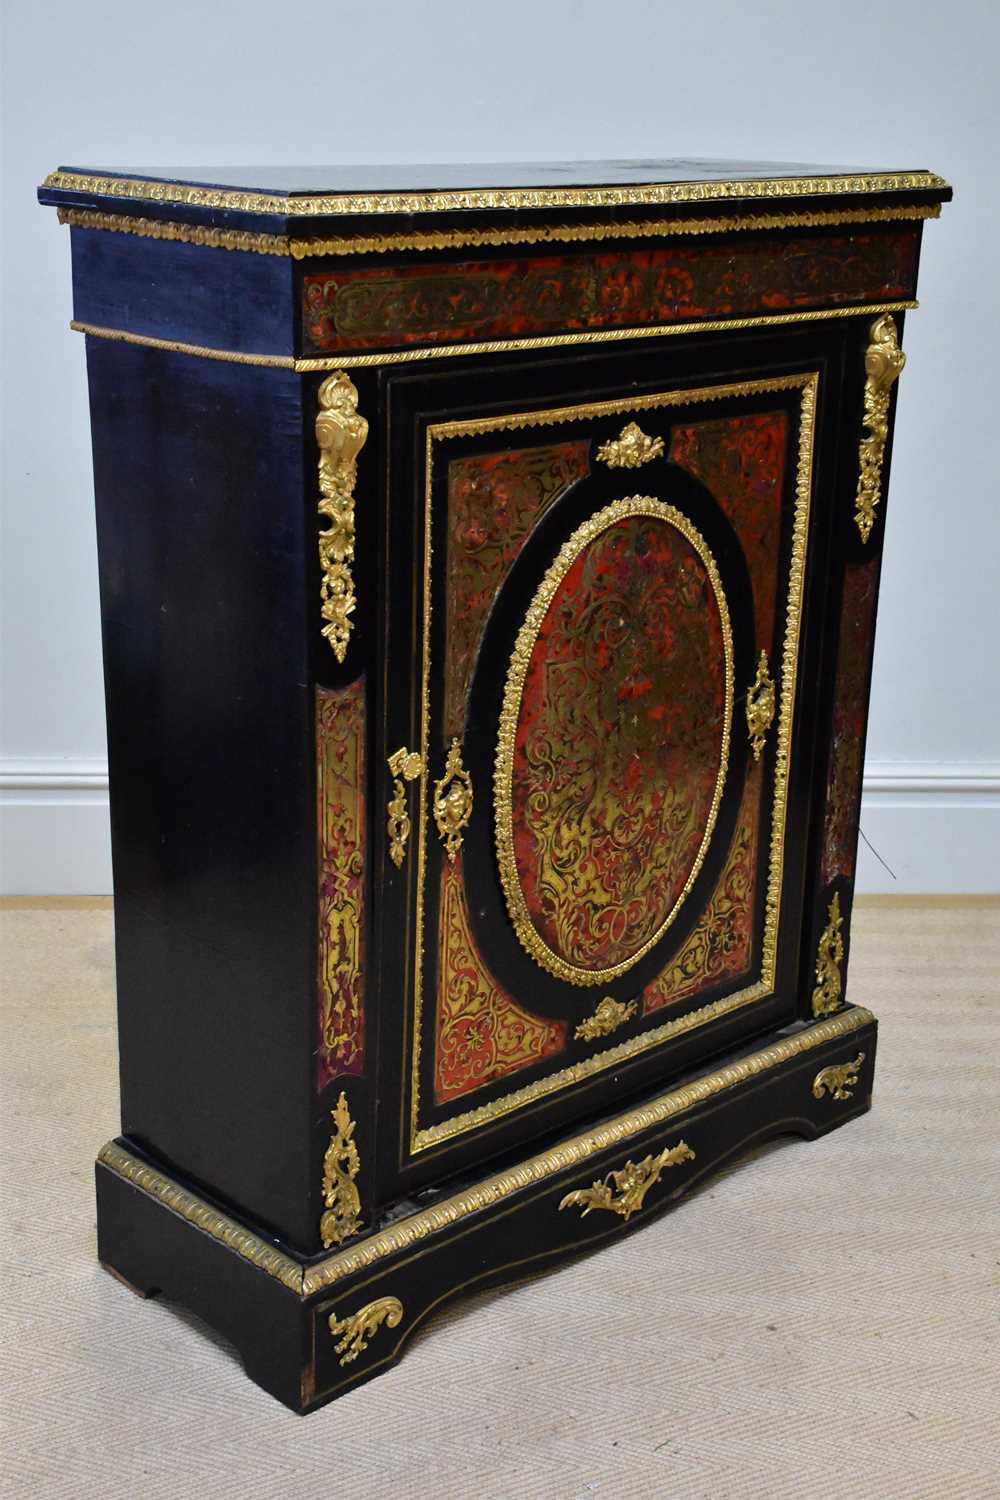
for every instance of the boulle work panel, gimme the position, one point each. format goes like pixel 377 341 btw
pixel 491 560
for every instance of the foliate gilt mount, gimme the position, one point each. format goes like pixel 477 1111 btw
pixel 341 1164
pixel 760 706
pixel 829 957
pixel 609 1015
pixel 355 1331
pixel 623 1192
pixel 404 765
pixel 883 362
pixel 453 801
pixel 839 1081
pixel 631 449
pixel 341 434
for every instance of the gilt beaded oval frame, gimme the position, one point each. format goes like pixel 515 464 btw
pixel 645 506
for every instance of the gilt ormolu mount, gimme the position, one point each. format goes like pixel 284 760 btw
pixel 489 560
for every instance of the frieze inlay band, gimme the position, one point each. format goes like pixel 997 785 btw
pixel 760 706
pixel 453 801
pixel 356 1331
pixel 549 918
pixel 404 765
pixel 829 957
pixel 623 1192
pixel 306 1281
pixel 609 1015
pixel 884 361
pixel 631 449
pixel 340 432
pixel 341 1164
pixel 839 1081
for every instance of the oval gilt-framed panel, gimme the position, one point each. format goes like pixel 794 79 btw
pixel 613 740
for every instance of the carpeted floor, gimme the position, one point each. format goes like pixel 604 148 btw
pixel 820 1322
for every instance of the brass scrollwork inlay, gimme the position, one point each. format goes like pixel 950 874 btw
pixel 631 449
pixel 609 1015
pixel 341 1164
pixel 839 1081
pixel 829 957
pixel 884 360
pixel 341 434
pixel 405 765
pixel 760 706
pixel 624 1191
pixel 453 801
pixel 355 1332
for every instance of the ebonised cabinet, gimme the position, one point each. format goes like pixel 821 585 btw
pixel 489 560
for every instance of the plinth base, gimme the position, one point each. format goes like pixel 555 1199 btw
pixel 308 1330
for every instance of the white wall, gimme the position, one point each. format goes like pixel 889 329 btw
pixel 894 84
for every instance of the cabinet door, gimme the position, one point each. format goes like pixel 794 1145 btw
pixel 596 588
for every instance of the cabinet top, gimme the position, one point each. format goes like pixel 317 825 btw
pixel 361 191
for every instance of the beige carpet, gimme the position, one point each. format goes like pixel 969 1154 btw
pixel 821 1322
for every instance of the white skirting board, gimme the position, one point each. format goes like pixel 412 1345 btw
pixel 936 826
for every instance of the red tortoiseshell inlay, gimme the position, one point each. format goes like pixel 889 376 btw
pixel 742 461
pixel 494 499
pixel 720 946
pixel 340 795
pixel 375 307
pixel 482 1035
pixel 843 785
pixel 617 746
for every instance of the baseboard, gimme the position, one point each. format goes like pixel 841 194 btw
pixel 936 826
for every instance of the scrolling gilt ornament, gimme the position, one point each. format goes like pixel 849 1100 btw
pixel 838 1082
pixel 760 706
pixel 341 1164
pixel 453 801
pixel 883 362
pixel 341 434
pixel 631 449
pixel 404 765
pixel 829 957
pixel 624 1191
pixel 355 1332
pixel 609 1015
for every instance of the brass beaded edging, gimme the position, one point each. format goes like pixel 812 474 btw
pixel 446 239
pixel 305 1281
pixel 243 1241
pixel 647 508
pixel 495 346
pixel 423 1139
pixel 444 200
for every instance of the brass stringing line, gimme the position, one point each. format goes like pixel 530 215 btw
pixel 305 1281
pixel 383 244
pixel 643 506
pixel 174 346
pixel 421 1140
pixel 444 200
pixel 497 346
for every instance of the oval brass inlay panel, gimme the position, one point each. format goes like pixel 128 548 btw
pixel 614 740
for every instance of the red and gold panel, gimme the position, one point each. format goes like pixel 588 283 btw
pixel 614 738
pixel 482 1035
pixel 720 947
pixel 730 277
pixel 742 460
pixel 494 499
pixel 340 795
pixel 843 787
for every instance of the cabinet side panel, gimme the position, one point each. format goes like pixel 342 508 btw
pixel 201 530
